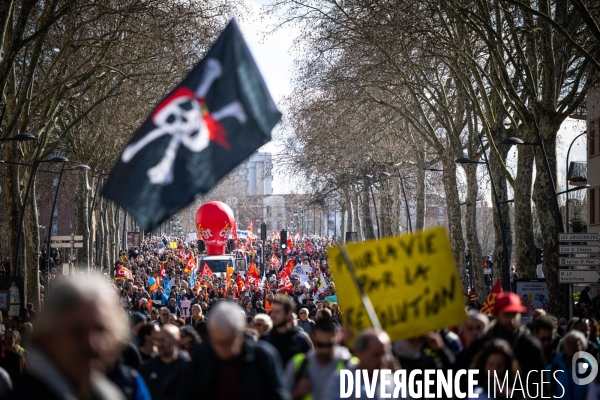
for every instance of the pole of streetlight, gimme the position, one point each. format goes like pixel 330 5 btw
pixel 405 200
pixel 567 177
pixel 506 267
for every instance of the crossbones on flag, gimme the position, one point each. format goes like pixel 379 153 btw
pixel 214 119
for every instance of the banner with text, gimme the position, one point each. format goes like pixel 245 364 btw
pixel 411 280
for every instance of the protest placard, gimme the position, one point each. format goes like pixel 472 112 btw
pixel 185 308
pixel 411 280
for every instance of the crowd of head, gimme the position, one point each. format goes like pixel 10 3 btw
pixel 106 338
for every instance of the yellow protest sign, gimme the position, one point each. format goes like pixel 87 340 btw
pixel 411 280
pixel 173 245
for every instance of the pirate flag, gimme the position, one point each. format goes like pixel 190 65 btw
pixel 214 119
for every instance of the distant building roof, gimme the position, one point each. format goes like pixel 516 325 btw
pixel 577 172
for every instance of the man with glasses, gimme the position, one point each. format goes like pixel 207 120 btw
pixel 163 316
pixel 309 374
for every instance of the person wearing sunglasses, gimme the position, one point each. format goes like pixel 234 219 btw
pixel 309 374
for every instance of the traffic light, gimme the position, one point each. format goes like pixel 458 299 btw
pixel 539 256
pixel 283 239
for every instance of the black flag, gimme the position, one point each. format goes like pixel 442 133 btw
pixel 214 119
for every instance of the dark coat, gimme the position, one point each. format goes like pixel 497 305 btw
pixel 31 387
pixel 288 344
pixel 261 375
pixel 167 381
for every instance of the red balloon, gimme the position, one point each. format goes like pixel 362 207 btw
pixel 214 221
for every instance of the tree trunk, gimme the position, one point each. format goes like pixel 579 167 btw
pixel 472 238
pixel 502 191
pixel 524 238
pixel 12 199
pixel 32 245
pixel 81 224
pixel 421 185
pixel 454 215
pixel 357 221
pixel 543 195
pixel 366 211
pixel 349 208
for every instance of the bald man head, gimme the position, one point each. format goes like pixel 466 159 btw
pixel 167 342
pixel 371 347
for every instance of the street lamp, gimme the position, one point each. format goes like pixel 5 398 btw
pixel 21 137
pixel 506 267
pixel 55 159
pixel 81 167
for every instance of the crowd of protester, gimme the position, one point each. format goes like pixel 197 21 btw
pixel 108 338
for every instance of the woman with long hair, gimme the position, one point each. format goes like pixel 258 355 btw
pixel 494 362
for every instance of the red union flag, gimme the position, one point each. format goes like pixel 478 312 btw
pixel 285 285
pixel 310 249
pixel 275 261
pixel 181 254
pixel 123 272
pixel 190 264
pixel 287 270
pixel 490 301
pixel 206 271
pixel 253 271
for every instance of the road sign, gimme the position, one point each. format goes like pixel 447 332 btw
pixel 66 244
pixel 578 237
pixel 60 238
pixel 578 261
pixel 579 276
pixel 578 249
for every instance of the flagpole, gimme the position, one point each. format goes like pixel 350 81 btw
pixel 366 301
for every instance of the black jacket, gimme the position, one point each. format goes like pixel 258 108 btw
pixel 30 387
pixel 288 344
pixel 261 375
pixel 167 381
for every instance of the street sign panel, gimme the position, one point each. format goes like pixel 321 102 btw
pixel 78 237
pixel 578 261
pixel 579 276
pixel 60 238
pixel 66 245
pixel 578 237
pixel 578 249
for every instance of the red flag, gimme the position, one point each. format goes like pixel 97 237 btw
pixel 181 254
pixel 253 270
pixel 240 283
pixel 275 261
pixel 285 285
pixel 206 271
pixel 290 245
pixel 310 249
pixel 234 234
pixel 490 301
pixel 190 264
pixel 250 227
pixel 123 272
pixel 287 270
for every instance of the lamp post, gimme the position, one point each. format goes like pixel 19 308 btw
pixel 506 267
pixel 36 163
pixel 81 167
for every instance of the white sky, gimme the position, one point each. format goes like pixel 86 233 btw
pixel 273 55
